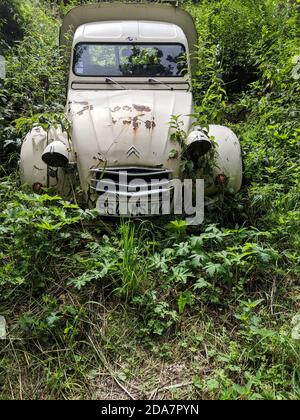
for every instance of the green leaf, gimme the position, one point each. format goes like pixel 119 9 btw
pixel 182 301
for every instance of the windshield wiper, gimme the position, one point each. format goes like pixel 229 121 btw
pixel 109 80
pixel 161 83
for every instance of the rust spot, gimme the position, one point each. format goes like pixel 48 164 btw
pixel 126 122
pixel 114 121
pixel 135 123
pixel 127 108
pixel 221 180
pixel 115 109
pixel 150 124
pixel 141 108
pixel 37 187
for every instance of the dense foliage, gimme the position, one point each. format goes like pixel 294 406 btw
pixel 99 310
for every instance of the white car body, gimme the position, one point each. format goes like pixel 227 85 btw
pixel 123 123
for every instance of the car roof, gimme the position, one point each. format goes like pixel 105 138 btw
pixel 109 12
pixel 130 31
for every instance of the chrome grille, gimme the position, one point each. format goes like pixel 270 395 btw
pixel 128 181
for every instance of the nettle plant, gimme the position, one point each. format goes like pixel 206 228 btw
pixel 35 233
pixel 204 268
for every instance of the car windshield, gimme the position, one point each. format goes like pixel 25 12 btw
pixel 137 60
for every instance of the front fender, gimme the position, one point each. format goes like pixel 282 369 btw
pixel 228 156
pixel 33 171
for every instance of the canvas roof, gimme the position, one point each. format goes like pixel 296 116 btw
pixel 127 11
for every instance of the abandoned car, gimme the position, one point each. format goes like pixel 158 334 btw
pixel 130 74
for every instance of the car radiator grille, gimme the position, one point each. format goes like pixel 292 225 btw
pixel 130 180
pixel 144 185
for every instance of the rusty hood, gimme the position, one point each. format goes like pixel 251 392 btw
pixel 130 128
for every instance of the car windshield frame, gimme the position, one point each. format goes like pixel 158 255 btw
pixel 184 70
